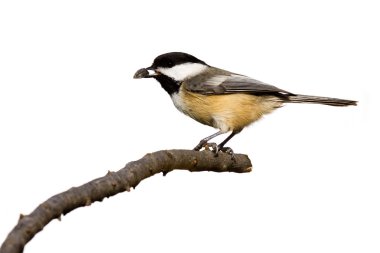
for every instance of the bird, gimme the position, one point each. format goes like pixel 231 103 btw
pixel 219 98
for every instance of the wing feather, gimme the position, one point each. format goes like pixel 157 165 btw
pixel 224 82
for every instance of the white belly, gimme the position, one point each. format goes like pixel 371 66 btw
pixel 178 103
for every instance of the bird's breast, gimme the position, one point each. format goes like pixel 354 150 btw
pixel 179 102
pixel 193 105
pixel 225 112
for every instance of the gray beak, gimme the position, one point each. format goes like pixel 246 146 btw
pixel 144 73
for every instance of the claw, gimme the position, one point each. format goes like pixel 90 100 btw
pixel 211 145
pixel 198 147
pixel 206 145
pixel 229 151
pixel 215 148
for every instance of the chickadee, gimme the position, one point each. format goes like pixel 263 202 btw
pixel 219 98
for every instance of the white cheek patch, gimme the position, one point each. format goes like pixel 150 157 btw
pixel 183 71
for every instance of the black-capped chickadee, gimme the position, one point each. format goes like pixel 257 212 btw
pixel 219 98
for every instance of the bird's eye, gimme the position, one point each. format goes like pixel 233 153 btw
pixel 170 64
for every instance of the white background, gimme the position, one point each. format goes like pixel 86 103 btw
pixel 70 111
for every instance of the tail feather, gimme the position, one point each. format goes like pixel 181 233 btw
pixel 320 100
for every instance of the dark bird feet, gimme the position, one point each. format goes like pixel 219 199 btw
pixel 215 148
pixel 206 146
pixel 200 145
pixel 226 150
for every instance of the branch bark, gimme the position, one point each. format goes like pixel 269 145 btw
pixel 115 182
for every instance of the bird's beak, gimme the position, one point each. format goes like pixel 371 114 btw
pixel 145 73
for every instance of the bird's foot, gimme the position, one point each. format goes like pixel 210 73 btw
pixel 205 145
pixel 211 146
pixel 200 145
pixel 226 150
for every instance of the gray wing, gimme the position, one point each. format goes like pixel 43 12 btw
pixel 224 82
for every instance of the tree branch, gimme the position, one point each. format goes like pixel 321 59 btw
pixel 115 182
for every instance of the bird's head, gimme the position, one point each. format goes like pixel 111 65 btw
pixel 175 65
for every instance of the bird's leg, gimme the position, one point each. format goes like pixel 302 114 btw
pixel 227 150
pixel 229 137
pixel 204 141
